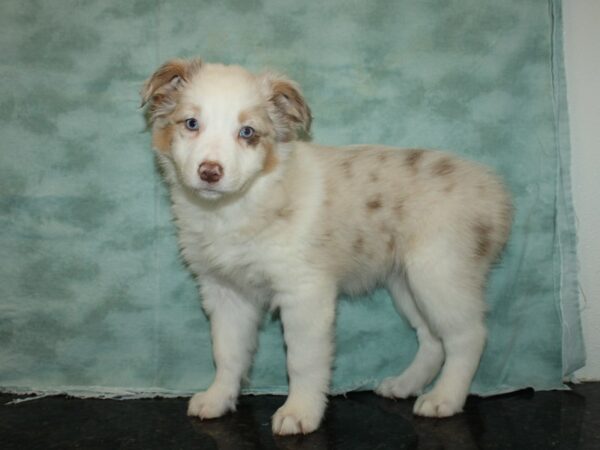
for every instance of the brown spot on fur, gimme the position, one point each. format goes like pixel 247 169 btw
pixel 450 187
pixel 373 177
pixel 443 167
pixel 285 212
pixel 358 244
pixel 374 203
pixel 483 239
pixel 399 208
pixel 347 167
pixel 162 138
pixel 382 157
pixel 412 159
pixel 254 140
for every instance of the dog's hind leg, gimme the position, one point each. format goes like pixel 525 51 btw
pixel 448 292
pixel 430 355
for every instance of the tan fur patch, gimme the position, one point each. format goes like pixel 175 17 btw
pixel 256 117
pixel 162 138
pixel 271 159
pixel 373 177
pixel 246 115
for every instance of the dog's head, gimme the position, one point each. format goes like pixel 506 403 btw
pixel 220 125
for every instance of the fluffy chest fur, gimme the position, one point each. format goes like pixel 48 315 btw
pixel 252 241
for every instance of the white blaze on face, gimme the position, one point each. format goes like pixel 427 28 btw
pixel 216 97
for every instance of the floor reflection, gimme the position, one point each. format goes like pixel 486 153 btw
pixel 524 420
pixel 362 420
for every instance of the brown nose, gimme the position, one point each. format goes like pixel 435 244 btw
pixel 210 171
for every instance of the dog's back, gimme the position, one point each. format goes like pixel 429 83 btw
pixel 380 205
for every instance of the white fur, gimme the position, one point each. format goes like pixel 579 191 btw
pixel 323 221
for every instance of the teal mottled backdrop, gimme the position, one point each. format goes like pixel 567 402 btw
pixel 93 296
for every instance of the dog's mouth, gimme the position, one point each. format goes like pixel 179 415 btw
pixel 210 192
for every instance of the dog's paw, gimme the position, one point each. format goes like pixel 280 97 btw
pixel 296 418
pixel 435 404
pixel 398 387
pixel 210 405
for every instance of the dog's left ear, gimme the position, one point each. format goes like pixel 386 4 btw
pixel 287 107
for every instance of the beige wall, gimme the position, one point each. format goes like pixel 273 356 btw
pixel 582 61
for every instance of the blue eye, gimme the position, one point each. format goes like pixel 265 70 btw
pixel 192 124
pixel 247 132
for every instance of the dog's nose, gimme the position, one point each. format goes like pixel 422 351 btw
pixel 210 171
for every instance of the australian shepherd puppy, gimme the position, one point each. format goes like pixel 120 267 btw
pixel 269 221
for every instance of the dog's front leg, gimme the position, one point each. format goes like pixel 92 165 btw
pixel 234 325
pixel 308 318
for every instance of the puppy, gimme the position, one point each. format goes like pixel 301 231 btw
pixel 268 221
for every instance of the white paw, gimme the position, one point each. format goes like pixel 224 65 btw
pixel 435 404
pixel 210 404
pixel 398 387
pixel 297 418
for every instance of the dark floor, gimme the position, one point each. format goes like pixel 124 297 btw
pixel 525 420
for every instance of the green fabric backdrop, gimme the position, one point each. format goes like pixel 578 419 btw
pixel 93 296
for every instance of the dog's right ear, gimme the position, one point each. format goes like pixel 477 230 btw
pixel 158 90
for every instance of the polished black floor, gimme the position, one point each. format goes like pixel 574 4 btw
pixel 524 420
